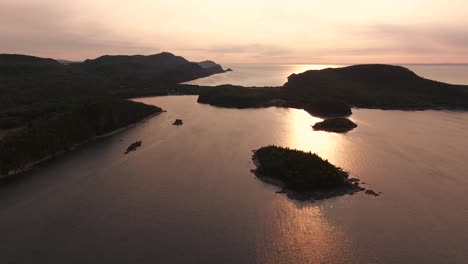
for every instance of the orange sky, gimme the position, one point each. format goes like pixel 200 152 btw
pixel 253 31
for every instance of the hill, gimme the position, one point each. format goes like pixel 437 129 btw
pixel 129 76
pixel 377 86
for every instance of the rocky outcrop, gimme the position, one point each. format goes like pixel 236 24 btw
pixel 178 122
pixel 133 147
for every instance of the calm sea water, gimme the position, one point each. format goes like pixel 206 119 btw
pixel 277 75
pixel 187 196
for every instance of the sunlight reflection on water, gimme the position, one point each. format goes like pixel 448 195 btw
pixel 300 234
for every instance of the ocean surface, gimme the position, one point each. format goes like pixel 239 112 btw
pixel 277 75
pixel 187 195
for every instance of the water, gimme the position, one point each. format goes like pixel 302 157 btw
pixel 187 196
pixel 258 75
pixel 455 73
pixel 277 75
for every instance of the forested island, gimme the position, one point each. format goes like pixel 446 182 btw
pixel 302 175
pixel 338 125
pixel 48 107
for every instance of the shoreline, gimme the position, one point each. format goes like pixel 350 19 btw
pixel 280 103
pixel 32 164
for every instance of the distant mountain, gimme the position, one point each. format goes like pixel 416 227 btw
pixel 161 61
pixel 146 71
pixel 16 64
pixel 121 70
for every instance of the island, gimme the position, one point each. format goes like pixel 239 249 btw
pixel 178 122
pixel 337 125
pixel 302 175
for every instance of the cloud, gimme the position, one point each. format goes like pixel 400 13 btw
pixel 419 38
pixel 243 31
pixel 258 49
pixel 47 30
pixel 241 52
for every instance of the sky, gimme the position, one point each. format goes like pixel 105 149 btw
pixel 240 31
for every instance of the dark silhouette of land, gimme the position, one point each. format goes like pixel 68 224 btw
pixel 48 107
pixel 338 125
pixel 303 176
pixel 178 122
pixel 331 92
pixel 133 147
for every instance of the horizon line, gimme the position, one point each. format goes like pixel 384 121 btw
pixel 252 63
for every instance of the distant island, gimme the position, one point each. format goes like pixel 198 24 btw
pixel 48 107
pixel 332 92
pixel 302 175
pixel 338 125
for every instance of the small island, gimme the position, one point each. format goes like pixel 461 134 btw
pixel 178 122
pixel 337 125
pixel 303 176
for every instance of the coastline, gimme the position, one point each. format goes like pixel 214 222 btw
pixel 32 164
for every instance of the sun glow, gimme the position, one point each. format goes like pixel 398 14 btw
pixel 299 68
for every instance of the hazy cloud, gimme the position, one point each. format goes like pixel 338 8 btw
pixel 50 31
pixel 241 31
pixel 421 39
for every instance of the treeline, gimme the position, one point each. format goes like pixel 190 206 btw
pixel 238 96
pixel 298 170
pixel 61 131
pixel 254 97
